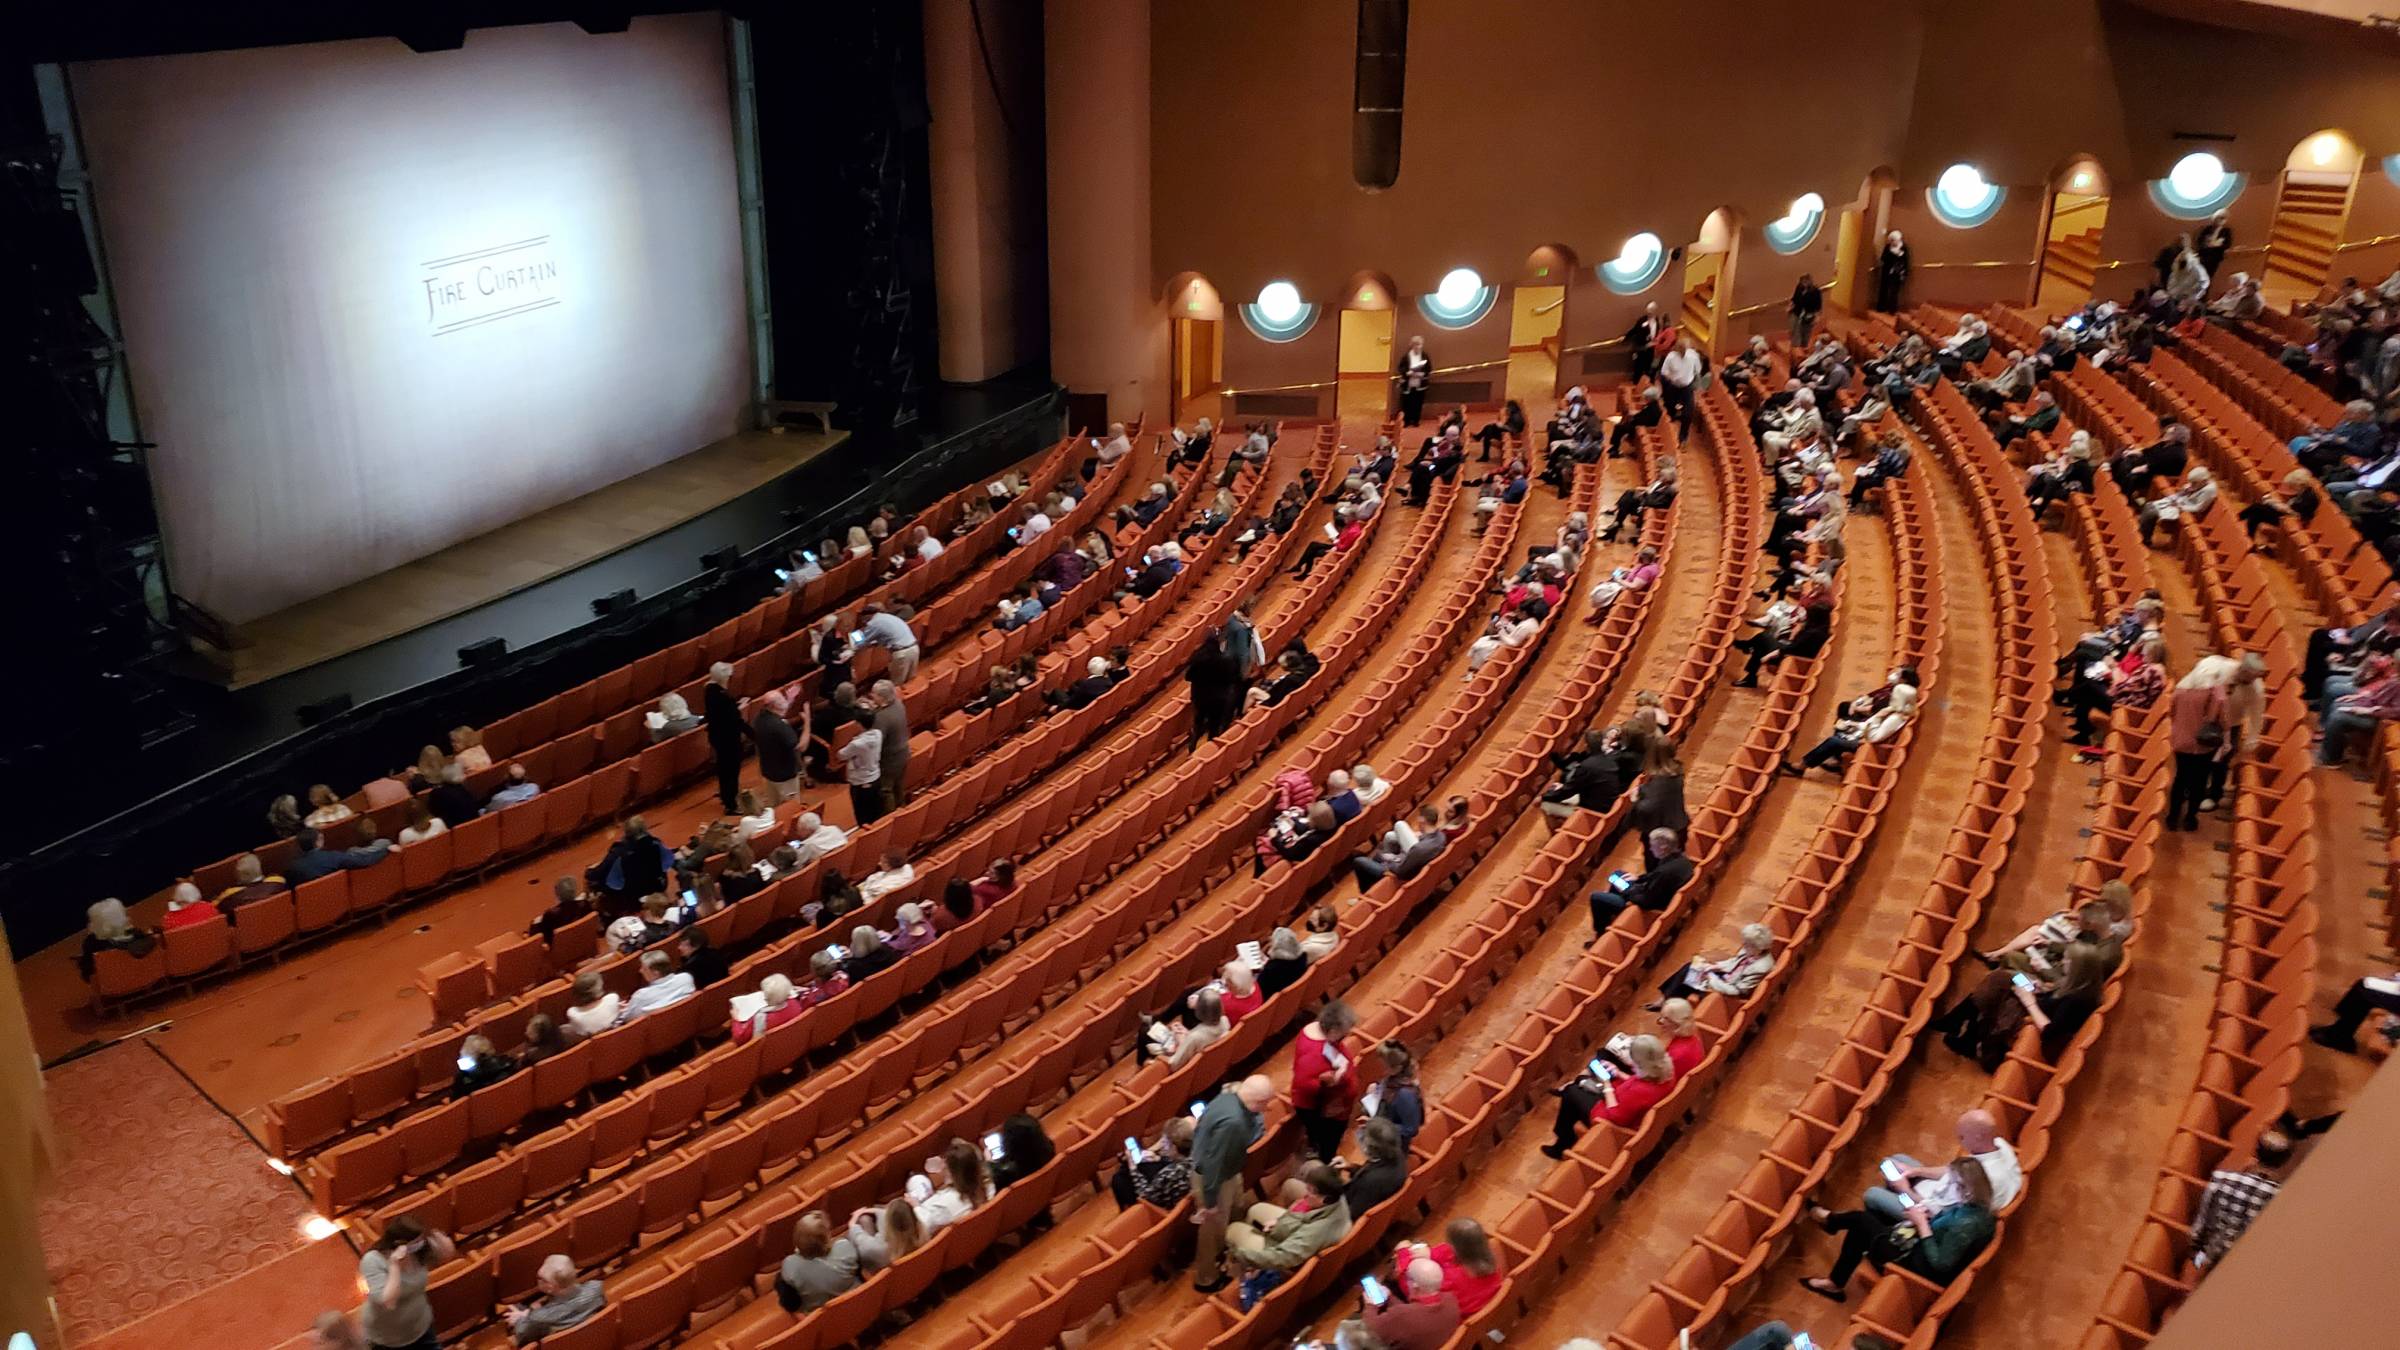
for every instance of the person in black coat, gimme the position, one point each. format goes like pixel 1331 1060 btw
pixel 723 713
pixel 1669 872
pixel 1639 340
pixel 778 748
pixel 2212 243
pixel 700 960
pixel 1807 638
pixel 452 800
pixel 1807 302
pixel 1891 272
pixel 1587 779
pixel 1216 680
pixel 1416 377
pixel 1658 801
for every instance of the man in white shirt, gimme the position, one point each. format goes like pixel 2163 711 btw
pixel 894 874
pixel 1116 447
pixel 928 548
pixel 1036 525
pixel 1678 379
pixel 879 627
pixel 1934 1189
pixel 662 985
pixel 813 838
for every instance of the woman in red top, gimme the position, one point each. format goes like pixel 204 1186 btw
pixel 1346 530
pixel 1619 1099
pixel 1470 1272
pixel 989 888
pixel 185 908
pixel 2198 732
pixel 826 979
pixel 1240 996
pixel 1325 1079
pixel 781 1007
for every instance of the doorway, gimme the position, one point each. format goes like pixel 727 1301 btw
pixel 1199 356
pixel 1363 390
pixel 1708 264
pixel 2312 206
pixel 1537 314
pixel 2070 251
pixel 1849 232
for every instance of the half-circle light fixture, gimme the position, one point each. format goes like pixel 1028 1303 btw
pixel 1962 198
pixel 1791 232
pixel 1637 266
pixel 1279 314
pixel 1459 300
pixel 2197 187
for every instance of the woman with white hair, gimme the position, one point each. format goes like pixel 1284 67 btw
pixel 2199 732
pixel 186 907
pixel 1370 789
pixel 1856 730
pixel 1503 630
pixel 910 929
pixel 869 954
pixel 670 719
pixel 1733 976
pixel 2198 493
pixel 776 1006
pixel 1614 1096
pixel 108 929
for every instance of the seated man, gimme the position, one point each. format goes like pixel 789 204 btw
pixel 2193 499
pixel 1978 1138
pixel 1669 872
pixel 1733 976
pixel 314 860
pixel 1891 461
pixel 1587 779
pixel 1020 607
pixel 2354 437
pixel 1646 413
pixel 662 986
pixel 519 788
pixel 1404 851
pixel 560 1301
pixel 2041 417
pixel 1419 1316
pixel 250 883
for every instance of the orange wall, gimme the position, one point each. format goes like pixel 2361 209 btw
pixel 987 194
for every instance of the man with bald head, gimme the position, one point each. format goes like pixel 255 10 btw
pixel 1419 1316
pixel 1978 1138
pixel 1220 1146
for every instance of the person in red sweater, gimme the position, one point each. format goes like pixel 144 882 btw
pixel 1615 1096
pixel 185 908
pixel 1325 1079
pixel 780 1007
pixel 1241 995
pixel 1470 1272
pixel 989 888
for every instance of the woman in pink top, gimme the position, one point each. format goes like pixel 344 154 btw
pixel 781 1007
pixel 2199 733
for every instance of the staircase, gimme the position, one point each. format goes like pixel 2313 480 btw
pixel 2308 225
pixel 1699 314
pixel 2072 260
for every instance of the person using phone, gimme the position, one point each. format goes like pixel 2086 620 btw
pixel 1933 1189
pixel 1421 1317
pixel 479 1065
pixel 1162 1175
pixel 1618 1099
pixel 397 1315
pixel 1669 871
pixel 1982 1025
pixel 1934 1245
pixel 1024 1150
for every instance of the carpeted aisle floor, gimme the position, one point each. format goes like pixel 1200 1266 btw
pixel 159 1198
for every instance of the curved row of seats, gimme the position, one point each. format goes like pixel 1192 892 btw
pixel 1540 1233
pixel 373 1092
pixel 926 1043
pixel 1036 1067
pixel 460 983
pixel 1468 1119
pixel 587 746
pixel 2268 972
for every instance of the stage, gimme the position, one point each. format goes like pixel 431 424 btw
pixel 493 566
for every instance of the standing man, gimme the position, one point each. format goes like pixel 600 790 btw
pixel 1891 272
pixel 1641 343
pixel 1241 639
pixel 725 730
pixel 1679 380
pixel 879 627
pixel 1807 302
pixel 2213 242
pixel 778 747
pixel 891 719
pixel 1416 376
pixel 1220 1146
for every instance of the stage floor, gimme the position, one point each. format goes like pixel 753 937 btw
pixel 547 544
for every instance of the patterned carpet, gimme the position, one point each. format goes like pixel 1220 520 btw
pixel 159 1196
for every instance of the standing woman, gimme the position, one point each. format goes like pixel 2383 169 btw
pixel 2200 734
pixel 1416 376
pixel 1325 1079
pixel 1658 802
pixel 1807 303
pixel 1891 272
pixel 2245 719
pixel 1216 682
pixel 397 1315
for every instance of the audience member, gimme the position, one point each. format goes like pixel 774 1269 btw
pixel 594 1009
pixel 1982 1025
pixel 1934 1245
pixel 1733 976
pixel 1325 1078
pixel 821 1267
pixel 560 1301
pixel 314 860
pixel 662 986
pixel 2364 996
pixel 1024 1150
pixel 480 1065
pixel 2232 1200
pixel 1470 1270
pixel 396 1314
pixel 1229 1125
pixel 1667 873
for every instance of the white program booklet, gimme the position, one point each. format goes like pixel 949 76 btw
pixel 747 1006
pixel 1252 954
pixel 2390 986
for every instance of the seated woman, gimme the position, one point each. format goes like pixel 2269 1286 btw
pixel 2135 681
pixel 1657 495
pixel 757 816
pixel 1324 927
pixel 910 929
pixel 1342 535
pixel 1398 1099
pixel 1733 976
pixel 670 719
pixel 821 1267
pixel 108 929
pixel 869 955
pixel 2039 949
pixel 1024 1150
pixel 1937 1247
pixel 1162 1174
pixel 1286 963
pixel 325 809
pixel 1293 840
pixel 953 1184
pixel 1181 1038
pixel 2067 471
pixel 422 824
pixel 1807 637
pixel 1640 576
pixel 1861 726
pixel 466 750
pixel 1470 1270
pixel 186 907
pixel 1241 995
pixel 594 1008
pixel 1506 629
pixel 480 1064
pixel 542 1040
pixel 1982 1025
pixel 778 1007
pixel 882 1236
pixel 1616 1096
pixel 1293 666
pixel 654 922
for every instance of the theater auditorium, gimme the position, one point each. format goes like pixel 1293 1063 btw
pixel 1144 674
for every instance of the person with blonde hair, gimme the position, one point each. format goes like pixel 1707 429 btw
pixel 882 1236
pixel 776 1007
pixel 325 809
pixel 2199 733
pixel 1618 1096
pixel 1851 732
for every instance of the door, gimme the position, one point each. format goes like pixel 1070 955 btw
pixel 1199 367
pixel 2070 251
pixel 1850 231
pixel 1536 316
pixel 1363 390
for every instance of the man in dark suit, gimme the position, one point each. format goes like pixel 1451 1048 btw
pixel 725 731
pixel 1668 872
pixel 1639 340
pixel 451 800
pixel 315 860
pixel 703 962
pixel 891 718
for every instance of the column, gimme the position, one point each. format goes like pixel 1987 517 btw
pixel 1108 333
